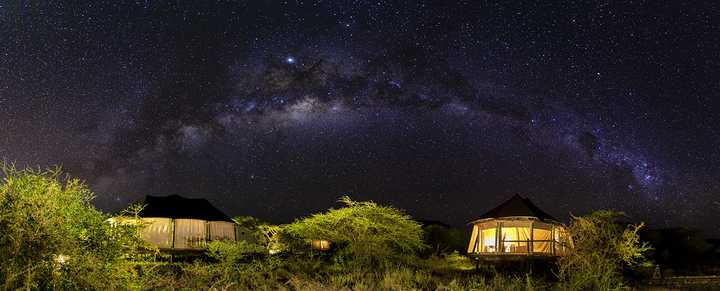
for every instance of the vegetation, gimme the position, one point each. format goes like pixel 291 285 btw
pixel 441 239
pixel 364 233
pixel 602 247
pixel 52 238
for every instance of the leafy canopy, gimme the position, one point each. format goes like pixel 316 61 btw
pixel 362 231
pixel 52 237
pixel 602 247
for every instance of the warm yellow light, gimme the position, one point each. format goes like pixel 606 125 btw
pixel 61 259
pixel 509 233
pixel 320 244
pixel 488 242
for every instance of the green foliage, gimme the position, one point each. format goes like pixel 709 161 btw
pixel 404 278
pixel 263 274
pixel 233 252
pixel 442 239
pixel 261 233
pixel 602 247
pixel 449 263
pixel 362 232
pixel 52 237
pixel 274 273
pixel 496 283
pixel 375 248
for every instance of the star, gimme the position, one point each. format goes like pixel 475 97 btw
pixel 589 119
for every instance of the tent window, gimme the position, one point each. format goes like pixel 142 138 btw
pixel 519 237
pixel 488 240
pixel 158 231
pixel 542 239
pixel 320 244
pixel 190 233
pixel 515 239
pixel 221 230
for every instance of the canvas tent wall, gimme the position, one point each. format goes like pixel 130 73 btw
pixel 518 227
pixel 179 223
pixel 320 244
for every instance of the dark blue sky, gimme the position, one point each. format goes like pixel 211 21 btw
pixel 443 108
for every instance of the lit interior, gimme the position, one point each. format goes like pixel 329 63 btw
pixel 515 239
pixel 488 240
pixel 519 237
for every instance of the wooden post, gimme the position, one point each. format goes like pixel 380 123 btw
pixel 172 253
pixel 498 240
pixel 235 230
pixel 552 238
pixel 530 239
pixel 478 239
pixel 172 224
pixel 207 232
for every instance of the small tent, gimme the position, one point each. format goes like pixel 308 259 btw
pixel 179 223
pixel 517 228
pixel 320 244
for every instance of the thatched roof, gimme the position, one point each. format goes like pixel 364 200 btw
pixel 517 206
pixel 175 206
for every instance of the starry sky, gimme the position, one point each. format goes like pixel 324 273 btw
pixel 274 109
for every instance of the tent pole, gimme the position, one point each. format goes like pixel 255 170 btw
pixel 172 254
pixel 552 237
pixel 498 242
pixel 207 232
pixel 530 239
pixel 172 220
pixel 478 246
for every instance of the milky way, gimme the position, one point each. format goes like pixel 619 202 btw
pixel 276 109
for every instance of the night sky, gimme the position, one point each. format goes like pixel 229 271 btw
pixel 274 109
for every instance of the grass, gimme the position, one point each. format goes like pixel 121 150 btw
pixel 451 272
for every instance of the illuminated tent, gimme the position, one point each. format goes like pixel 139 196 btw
pixel 320 244
pixel 518 228
pixel 179 223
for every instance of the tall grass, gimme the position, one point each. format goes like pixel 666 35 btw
pixel 310 274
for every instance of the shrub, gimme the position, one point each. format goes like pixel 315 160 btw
pixel 363 233
pixel 52 237
pixel 602 247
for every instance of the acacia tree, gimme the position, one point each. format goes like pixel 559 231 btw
pixel 362 232
pixel 602 247
pixel 51 237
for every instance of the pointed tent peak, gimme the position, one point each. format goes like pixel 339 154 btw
pixel 517 206
pixel 176 206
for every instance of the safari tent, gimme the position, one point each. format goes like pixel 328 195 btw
pixel 320 244
pixel 517 228
pixel 179 223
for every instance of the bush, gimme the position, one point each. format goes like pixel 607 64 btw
pixel 602 247
pixel 442 239
pixel 52 237
pixel 363 233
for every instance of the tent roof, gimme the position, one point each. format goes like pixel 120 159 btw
pixel 517 206
pixel 175 206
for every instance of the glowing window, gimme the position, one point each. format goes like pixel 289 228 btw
pixel 542 241
pixel 515 239
pixel 488 240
